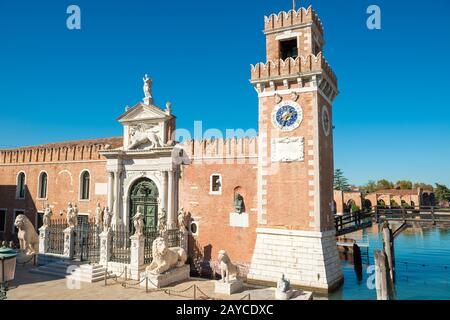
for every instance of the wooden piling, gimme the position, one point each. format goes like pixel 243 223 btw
pixel 357 261
pixel 381 275
pixel 388 245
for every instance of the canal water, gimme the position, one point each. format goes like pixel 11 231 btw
pixel 422 265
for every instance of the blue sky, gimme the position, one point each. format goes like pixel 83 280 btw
pixel 391 117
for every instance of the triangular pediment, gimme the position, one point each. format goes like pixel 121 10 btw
pixel 143 112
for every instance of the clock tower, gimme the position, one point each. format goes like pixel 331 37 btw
pixel 296 88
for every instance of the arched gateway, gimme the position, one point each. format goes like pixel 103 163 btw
pixel 144 195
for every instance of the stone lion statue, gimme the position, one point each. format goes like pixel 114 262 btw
pixel 140 136
pixel 28 237
pixel 226 267
pixel 165 258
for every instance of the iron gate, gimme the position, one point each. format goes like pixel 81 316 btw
pixel 86 240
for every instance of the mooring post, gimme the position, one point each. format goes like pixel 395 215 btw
pixel 376 214
pixel 357 261
pixel 432 215
pixel 381 275
pixel 388 245
pixel 105 277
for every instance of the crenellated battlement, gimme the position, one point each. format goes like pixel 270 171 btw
pixel 59 152
pixel 292 67
pixel 292 18
pixel 221 148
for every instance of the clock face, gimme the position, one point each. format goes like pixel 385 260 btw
pixel 287 116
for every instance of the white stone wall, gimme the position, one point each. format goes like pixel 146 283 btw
pixel 308 259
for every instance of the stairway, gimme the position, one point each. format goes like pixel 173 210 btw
pixel 73 271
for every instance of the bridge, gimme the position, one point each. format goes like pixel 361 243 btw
pixel 352 222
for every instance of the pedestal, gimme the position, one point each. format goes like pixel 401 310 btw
pixel 279 295
pixel 230 288
pixel 308 259
pixel 44 239
pixel 105 247
pixel 136 255
pixel 69 242
pixel 167 278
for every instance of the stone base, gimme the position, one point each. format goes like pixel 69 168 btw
pixel 308 259
pixel 284 295
pixel 167 278
pixel 234 286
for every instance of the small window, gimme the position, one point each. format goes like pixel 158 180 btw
pixel 16 213
pixel 43 185
pixel 2 220
pixel 84 185
pixel 216 184
pixel 20 191
pixel 40 220
pixel 288 49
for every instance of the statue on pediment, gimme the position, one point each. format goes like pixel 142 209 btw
pixel 147 86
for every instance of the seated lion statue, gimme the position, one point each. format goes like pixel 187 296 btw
pixel 165 258
pixel 28 238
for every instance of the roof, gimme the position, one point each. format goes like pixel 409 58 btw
pixel 115 142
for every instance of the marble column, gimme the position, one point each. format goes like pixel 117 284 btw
pixel 163 193
pixel 110 190
pixel 171 220
pixel 117 219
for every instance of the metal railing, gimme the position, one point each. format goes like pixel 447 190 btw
pixel 56 236
pixel 120 244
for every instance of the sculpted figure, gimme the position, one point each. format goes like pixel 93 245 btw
pixel 138 222
pixel 162 221
pixel 226 267
pixel 283 285
pixel 28 237
pixel 47 216
pixel 147 86
pixel 72 215
pixel 165 258
pixel 239 203
pixel 98 216
pixel 140 136
pixel 184 219
pixel 106 219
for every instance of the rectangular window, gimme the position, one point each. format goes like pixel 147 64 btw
pixel 216 184
pixel 40 220
pixel 2 220
pixel 16 213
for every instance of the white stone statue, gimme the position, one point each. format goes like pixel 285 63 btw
pixel 162 221
pixel 284 291
pixel 107 215
pixel 138 222
pixel 227 269
pixel 72 215
pixel 283 285
pixel 98 216
pixel 147 86
pixel 140 136
pixel 184 219
pixel 47 216
pixel 164 258
pixel 28 237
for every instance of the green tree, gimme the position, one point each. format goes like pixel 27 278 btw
pixel 404 184
pixel 422 185
pixel 442 193
pixel 384 184
pixel 371 186
pixel 340 182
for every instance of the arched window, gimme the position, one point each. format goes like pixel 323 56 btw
pixel 20 188
pixel 84 185
pixel 43 185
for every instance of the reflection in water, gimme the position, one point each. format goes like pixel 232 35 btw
pixel 422 265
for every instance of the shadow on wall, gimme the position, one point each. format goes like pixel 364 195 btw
pixel 15 206
pixel 200 260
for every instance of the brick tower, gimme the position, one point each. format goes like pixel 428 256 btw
pixel 296 88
